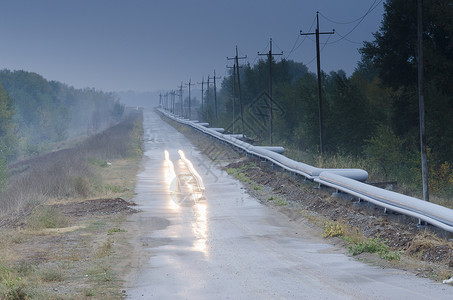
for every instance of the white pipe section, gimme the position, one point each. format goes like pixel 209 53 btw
pixel 434 214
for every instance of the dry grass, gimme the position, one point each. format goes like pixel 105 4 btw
pixel 67 173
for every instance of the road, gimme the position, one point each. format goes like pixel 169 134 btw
pixel 221 243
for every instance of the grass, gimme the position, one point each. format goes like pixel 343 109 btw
pixel 357 243
pixel 114 230
pixel 35 266
pixel 278 200
pixel 46 217
pixel 105 249
pixel 51 274
pixel 72 173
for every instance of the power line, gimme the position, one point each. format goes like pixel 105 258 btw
pixel 372 7
pixel 298 36
pixel 323 46
pixel 360 21
pixel 346 39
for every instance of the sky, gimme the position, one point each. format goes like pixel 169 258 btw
pixel 120 45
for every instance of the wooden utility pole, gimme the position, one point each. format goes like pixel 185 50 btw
pixel 421 103
pixel 180 100
pixel 318 61
pixel 202 93
pixel 166 101
pixel 269 57
pixel 190 107
pixel 172 93
pixel 236 59
pixel 234 91
pixel 215 100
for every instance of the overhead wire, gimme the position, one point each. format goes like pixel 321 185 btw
pixel 303 40
pixel 359 20
pixel 256 56
pixel 323 46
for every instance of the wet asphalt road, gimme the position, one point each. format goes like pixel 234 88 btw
pixel 223 244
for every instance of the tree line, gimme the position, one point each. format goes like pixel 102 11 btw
pixel 35 112
pixel 371 114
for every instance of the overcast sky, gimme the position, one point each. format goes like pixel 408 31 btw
pixel 118 45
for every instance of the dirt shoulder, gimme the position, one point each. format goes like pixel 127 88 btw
pixel 360 227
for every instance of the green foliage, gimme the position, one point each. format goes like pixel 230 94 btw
pixel 373 245
pixel 8 139
pixel 385 149
pixel 48 111
pixel 12 286
pixel 371 115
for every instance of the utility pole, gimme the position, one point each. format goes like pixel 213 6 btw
pixel 180 100
pixel 234 90
pixel 318 61
pixel 215 100
pixel 172 93
pixel 202 93
pixel 236 59
pixel 421 103
pixel 166 100
pixel 269 57
pixel 190 107
pixel 208 111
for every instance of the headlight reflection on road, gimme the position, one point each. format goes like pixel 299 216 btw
pixel 171 180
pixel 198 188
pixel 200 229
pixel 200 225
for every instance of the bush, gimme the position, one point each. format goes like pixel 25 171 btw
pixel 384 149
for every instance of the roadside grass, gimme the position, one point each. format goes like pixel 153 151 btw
pixel 357 243
pixel 46 217
pixel 73 173
pixel 37 262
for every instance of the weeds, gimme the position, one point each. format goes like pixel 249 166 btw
pixel 51 274
pixel 332 229
pixel 357 243
pixel 113 230
pixel 12 286
pixel 46 217
pixel 105 249
pixel 278 200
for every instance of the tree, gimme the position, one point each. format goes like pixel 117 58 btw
pixel 393 53
pixel 8 139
